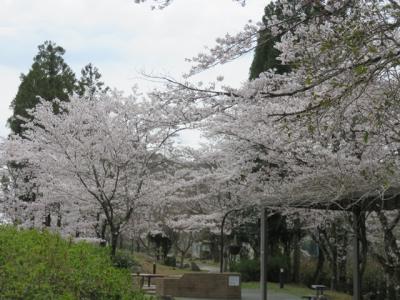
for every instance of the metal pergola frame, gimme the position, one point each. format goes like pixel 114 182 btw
pixel 355 205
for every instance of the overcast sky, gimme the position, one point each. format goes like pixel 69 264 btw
pixel 120 37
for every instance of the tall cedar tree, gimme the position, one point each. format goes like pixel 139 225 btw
pixel 265 56
pixel 49 77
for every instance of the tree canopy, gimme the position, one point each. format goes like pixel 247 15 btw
pixel 49 77
pixel 317 126
pixel 265 54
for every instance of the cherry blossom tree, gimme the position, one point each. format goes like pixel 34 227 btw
pixel 322 133
pixel 161 4
pixel 97 161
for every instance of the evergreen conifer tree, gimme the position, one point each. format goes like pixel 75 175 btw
pixel 265 56
pixel 49 77
pixel 90 82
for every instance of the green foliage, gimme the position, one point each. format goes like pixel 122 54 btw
pixel 373 283
pixel 249 269
pixel 123 259
pixel 365 137
pixel 265 55
pixel 275 263
pixel 161 243
pixel 42 265
pixel 307 273
pixel 49 77
pixel 360 70
pixel 170 261
pixel 90 82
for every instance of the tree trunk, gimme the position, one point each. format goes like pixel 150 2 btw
pixel 59 216
pixel 214 250
pixel 103 230
pixel 390 261
pixel 47 220
pixel 342 263
pixel 391 288
pixel 331 248
pixel 182 260
pixel 287 253
pixel 132 245
pixel 114 240
pixel 121 241
pixel 59 220
pixel 47 217
pixel 296 252
pixel 364 243
pixel 319 267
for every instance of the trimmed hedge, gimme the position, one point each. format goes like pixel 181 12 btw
pixel 250 269
pixel 42 265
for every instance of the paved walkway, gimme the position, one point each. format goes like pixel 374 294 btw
pixel 254 294
pixel 208 268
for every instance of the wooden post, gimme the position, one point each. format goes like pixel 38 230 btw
pixel 356 257
pixel 263 252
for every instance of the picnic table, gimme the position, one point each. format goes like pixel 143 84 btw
pixel 148 276
pixel 319 288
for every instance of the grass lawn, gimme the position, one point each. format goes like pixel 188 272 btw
pixel 147 261
pixel 208 262
pixel 296 290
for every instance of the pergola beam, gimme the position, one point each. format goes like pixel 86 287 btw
pixel 355 203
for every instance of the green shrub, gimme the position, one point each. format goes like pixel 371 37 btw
pixel 170 261
pixel 307 270
pixel 123 259
pixel 374 282
pixel 42 265
pixel 249 269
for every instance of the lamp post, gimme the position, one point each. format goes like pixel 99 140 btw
pixel 263 252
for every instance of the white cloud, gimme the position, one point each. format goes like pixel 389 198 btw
pixel 9 79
